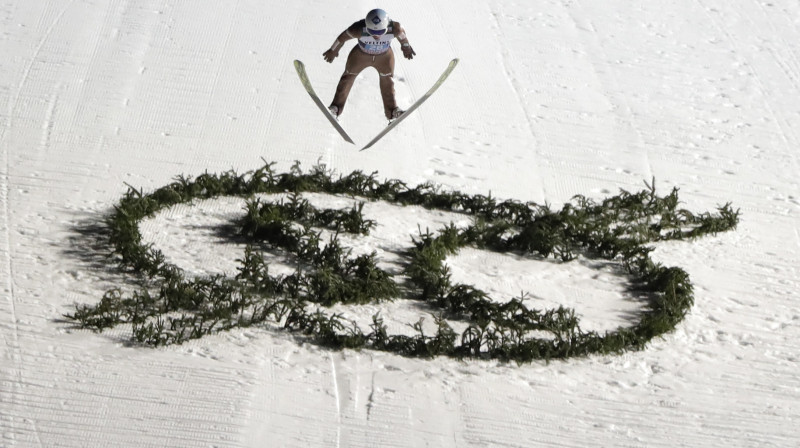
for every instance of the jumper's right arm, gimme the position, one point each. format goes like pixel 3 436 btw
pixel 346 35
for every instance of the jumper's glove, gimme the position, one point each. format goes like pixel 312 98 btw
pixel 408 52
pixel 330 55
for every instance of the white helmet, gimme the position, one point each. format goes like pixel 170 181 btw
pixel 377 22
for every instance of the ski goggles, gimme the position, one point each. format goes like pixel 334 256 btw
pixel 376 32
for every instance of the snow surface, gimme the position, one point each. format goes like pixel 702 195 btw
pixel 551 99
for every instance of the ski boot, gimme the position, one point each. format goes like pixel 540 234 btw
pixel 396 112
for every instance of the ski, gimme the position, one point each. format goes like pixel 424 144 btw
pixel 414 106
pixel 301 72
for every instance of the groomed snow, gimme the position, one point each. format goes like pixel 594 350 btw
pixel 551 99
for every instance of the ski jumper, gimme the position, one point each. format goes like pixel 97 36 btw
pixel 371 51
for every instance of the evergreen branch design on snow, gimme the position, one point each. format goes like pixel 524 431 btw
pixel 171 308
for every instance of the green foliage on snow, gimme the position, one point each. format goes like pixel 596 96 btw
pixel 171 308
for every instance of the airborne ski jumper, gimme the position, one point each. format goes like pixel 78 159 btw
pixel 375 34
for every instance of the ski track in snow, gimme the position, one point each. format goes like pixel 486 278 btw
pixel 551 99
pixel 14 355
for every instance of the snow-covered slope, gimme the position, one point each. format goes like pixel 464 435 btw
pixel 551 99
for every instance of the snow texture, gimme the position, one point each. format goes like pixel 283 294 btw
pixel 551 99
